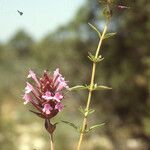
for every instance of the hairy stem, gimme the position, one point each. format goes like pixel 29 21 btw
pixel 84 124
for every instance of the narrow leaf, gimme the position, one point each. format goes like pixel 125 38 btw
pixel 38 114
pixel 78 87
pixel 96 126
pixel 91 55
pixel 82 110
pixel 108 35
pixel 101 87
pixel 70 124
pixel 94 28
pixel 91 111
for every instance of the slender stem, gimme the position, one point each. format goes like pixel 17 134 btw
pixel 84 124
pixel 52 141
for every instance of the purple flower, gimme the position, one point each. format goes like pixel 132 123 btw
pixel 47 108
pixel 33 76
pixel 27 98
pixel 58 97
pixel 28 88
pixel 59 106
pixel 123 7
pixel 56 74
pixel 46 94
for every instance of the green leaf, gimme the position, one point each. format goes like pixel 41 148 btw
pixel 96 126
pixel 70 124
pixel 94 59
pixel 94 28
pixel 91 111
pixel 78 87
pixel 91 56
pixel 57 123
pixel 101 87
pixel 38 114
pixel 108 35
pixel 82 110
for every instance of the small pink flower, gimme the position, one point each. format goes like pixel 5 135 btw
pixel 56 74
pixel 47 109
pixel 33 76
pixel 28 88
pixel 123 7
pixel 47 96
pixel 62 84
pixel 59 106
pixel 27 98
pixel 58 97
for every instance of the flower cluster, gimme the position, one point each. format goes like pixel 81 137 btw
pixel 45 94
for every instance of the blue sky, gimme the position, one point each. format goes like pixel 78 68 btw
pixel 40 16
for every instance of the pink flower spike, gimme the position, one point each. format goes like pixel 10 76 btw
pixel 27 98
pixel 47 109
pixel 47 96
pixel 59 106
pixel 58 97
pixel 28 88
pixel 33 76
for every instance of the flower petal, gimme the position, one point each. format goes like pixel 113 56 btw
pixel 47 108
pixel 47 96
pixel 27 98
pixel 62 84
pixel 56 74
pixel 59 106
pixel 58 97
pixel 28 88
pixel 33 76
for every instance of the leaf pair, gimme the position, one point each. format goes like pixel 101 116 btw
pixel 94 59
pixel 95 87
pixel 106 36
pixel 86 130
pixel 85 112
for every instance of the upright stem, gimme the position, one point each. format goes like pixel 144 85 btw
pixel 84 124
pixel 52 141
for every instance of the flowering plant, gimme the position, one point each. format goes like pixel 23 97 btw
pixel 46 94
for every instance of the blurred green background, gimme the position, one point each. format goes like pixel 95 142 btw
pixel 126 68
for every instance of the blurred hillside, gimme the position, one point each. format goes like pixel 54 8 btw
pixel 126 68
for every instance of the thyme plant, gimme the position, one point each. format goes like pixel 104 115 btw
pixel 95 59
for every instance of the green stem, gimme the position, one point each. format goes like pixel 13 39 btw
pixel 84 124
